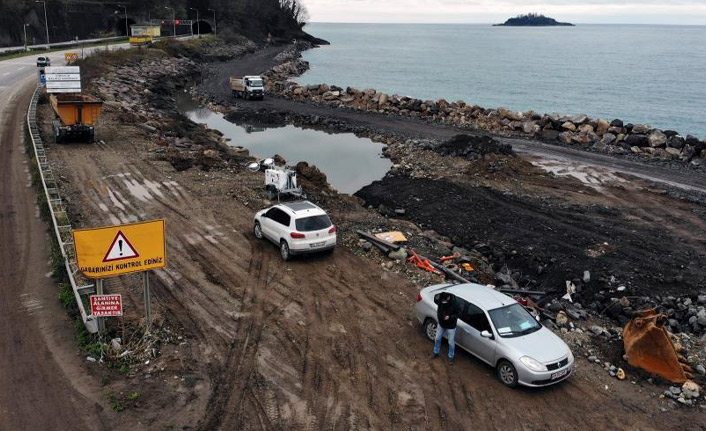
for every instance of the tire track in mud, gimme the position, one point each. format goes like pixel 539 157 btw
pixel 225 407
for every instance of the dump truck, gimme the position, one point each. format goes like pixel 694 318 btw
pixel 247 87
pixel 144 34
pixel 76 116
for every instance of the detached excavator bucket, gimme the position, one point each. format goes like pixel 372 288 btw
pixel 648 345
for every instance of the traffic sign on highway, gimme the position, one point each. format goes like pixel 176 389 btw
pixel 62 69
pixel 116 250
pixel 63 79
pixel 106 305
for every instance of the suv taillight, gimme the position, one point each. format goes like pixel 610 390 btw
pixel 297 235
pixel 419 297
pixel 333 229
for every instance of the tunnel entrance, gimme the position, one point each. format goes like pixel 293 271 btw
pixel 203 26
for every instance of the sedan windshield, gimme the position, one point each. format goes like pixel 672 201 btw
pixel 309 224
pixel 513 320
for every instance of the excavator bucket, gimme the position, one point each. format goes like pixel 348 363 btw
pixel 648 345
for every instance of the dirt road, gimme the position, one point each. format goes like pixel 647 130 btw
pixel 326 343
pixel 42 383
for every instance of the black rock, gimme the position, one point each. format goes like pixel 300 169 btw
pixel 637 140
pixel 616 123
pixel 670 133
pixel 692 140
pixel 676 142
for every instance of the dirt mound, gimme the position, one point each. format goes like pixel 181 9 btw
pixel 546 241
pixel 473 147
pixel 312 176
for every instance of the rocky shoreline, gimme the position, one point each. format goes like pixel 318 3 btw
pixel 614 137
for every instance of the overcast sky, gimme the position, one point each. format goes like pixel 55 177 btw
pixel 491 11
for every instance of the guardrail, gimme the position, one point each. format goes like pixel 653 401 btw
pixel 59 217
pixel 70 43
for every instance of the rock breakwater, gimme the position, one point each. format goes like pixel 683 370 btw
pixel 599 135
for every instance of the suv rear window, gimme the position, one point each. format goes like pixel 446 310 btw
pixel 308 224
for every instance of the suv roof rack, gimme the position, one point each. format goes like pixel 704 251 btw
pixel 300 206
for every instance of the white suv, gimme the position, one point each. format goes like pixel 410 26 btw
pixel 297 227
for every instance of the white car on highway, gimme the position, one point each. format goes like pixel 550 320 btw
pixel 499 331
pixel 297 228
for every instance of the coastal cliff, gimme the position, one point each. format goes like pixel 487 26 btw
pixel 533 20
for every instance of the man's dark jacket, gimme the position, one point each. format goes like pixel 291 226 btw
pixel 449 310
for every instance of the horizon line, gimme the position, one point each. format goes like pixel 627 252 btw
pixel 494 23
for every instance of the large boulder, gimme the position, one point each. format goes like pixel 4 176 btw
pixel 676 142
pixel 657 139
pixel 641 129
pixel 569 126
pixel 608 138
pixel 616 123
pixel 509 114
pixel 602 127
pixel 637 140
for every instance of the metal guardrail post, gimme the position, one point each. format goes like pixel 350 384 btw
pixel 52 196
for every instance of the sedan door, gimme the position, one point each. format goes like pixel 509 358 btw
pixel 471 323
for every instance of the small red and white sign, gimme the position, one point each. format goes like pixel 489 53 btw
pixel 107 305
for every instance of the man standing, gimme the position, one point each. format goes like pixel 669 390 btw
pixel 447 318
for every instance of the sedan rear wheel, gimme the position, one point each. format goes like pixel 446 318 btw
pixel 430 327
pixel 507 373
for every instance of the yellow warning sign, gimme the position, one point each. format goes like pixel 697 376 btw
pixel 115 250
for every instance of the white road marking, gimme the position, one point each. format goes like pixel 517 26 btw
pixel 6 73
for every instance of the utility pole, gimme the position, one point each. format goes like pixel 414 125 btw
pixel 173 19
pixel 127 32
pixel 25 29
pixel 46 23
pixel 215 29
pixel 198 26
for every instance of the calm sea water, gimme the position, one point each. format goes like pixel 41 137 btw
pixel 641 74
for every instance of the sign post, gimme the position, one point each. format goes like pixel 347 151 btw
pixel 117 250
pixel 101 320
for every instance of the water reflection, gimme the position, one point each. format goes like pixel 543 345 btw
pixel 349 162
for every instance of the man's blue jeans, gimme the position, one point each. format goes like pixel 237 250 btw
pixel 450 334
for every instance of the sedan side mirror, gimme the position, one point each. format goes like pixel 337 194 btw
pixel 486 334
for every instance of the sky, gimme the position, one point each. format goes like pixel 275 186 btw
pixel 685 12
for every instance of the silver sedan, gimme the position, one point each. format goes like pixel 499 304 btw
pixel 499 331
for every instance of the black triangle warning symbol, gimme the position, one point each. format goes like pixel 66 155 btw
pixel 120 249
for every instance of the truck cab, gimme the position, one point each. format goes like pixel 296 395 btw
pixel 248 87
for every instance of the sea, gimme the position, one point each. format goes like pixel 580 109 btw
pixel 646 74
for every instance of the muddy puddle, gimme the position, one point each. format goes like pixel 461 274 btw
pixel 350 163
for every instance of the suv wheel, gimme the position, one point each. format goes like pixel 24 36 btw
pixel 430 329
pixel 507 373
pixel 284 250
pixel 257 230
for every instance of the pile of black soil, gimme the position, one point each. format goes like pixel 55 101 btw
pixel 472 147
pixel 258 118
pixel 547 243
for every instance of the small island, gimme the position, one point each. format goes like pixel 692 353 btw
pixel 533 20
